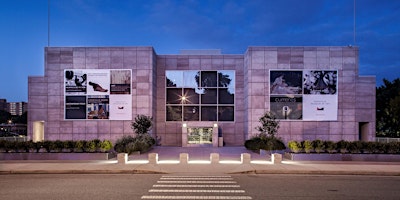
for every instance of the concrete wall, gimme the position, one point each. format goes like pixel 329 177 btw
pixel 351 90
pixel 171 132
pixel 356 95
pixel 47 93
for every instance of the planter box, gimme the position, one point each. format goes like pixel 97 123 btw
pixel 54 156
pixel 342 157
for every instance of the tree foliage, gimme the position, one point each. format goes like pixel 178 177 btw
pixel 388 109
pixel 142 124
pixel 269 125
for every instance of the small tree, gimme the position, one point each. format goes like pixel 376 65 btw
pixel 269 125
pixel 142 124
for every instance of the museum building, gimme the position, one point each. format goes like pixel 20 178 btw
pixel 201 97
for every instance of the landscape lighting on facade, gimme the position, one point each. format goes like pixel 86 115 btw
pixel 195 99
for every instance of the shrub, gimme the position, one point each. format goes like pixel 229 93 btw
pixel 253 144
pixel 106 145
pixel 129 144
pixel 91 146
pixel 2 143
pixel 355 147
pixel 57 145
pixel 294 146
pixel 342 146
pixel 69 145
pixel 10 145
pixel 24 146
pixel 265 143
pixel 80 146
pixel 47 145
pixel 307 146
pixel 330 146
pixel 319 146
pixel 37 146
pixel 393 147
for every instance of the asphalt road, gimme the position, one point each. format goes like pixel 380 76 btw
pixel 197 186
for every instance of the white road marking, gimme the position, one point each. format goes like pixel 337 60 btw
pixel 193 185
pixel 198 186
pixel 197 191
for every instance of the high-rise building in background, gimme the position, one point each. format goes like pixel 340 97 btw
pixel 17 108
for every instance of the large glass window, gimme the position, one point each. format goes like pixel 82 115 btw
pixel 193 95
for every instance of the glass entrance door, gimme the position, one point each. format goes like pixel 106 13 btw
pixel 200 135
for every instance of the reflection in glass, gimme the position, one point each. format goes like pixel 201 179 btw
pixel 209 96
pixel 193 95
pixel 226 113
pixel 191 79
pixel 209 79
pixel 209 113
pixel 174 95
pixel 174 78
pixel 174 113
pixel 190 96
pixel 225 96
pixel 226 78
pixel 190 113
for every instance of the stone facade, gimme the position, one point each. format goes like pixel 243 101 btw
pixel 356 94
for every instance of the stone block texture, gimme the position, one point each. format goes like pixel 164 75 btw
pixel 356 94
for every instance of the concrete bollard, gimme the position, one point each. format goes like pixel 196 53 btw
pixel 276 158
pixel 245 158
pixel 122 158
pixel 183 158
pixel 214 157
pixel 153 158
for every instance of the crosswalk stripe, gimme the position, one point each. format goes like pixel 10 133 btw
pixel 215 182
pixel 196 178
pixel 198 186
pixel 197 191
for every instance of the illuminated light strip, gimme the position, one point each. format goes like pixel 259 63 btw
pixel 196 178
pixel 230 162
pixel 262 162
pixel 168 162
pixel 137 162
pixel 195 197
pixel 197 186
pixel 199 162
pixel 221 182
pixel 197 191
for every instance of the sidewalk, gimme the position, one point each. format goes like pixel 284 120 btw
pixel 199 162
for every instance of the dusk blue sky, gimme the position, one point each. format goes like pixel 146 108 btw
pixel 172 25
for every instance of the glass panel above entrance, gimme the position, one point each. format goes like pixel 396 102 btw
pixel 201 135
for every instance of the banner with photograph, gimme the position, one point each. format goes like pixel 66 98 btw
pixel 98 94
pixel 75 107
pixel 304 94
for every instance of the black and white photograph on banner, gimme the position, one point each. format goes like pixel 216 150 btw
pixel 287 107
pixel 120 81
pixel 98 107
pixel 98 82
pixel 75 107
pixel 320 82
pixel 286 82
pixel 75 82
